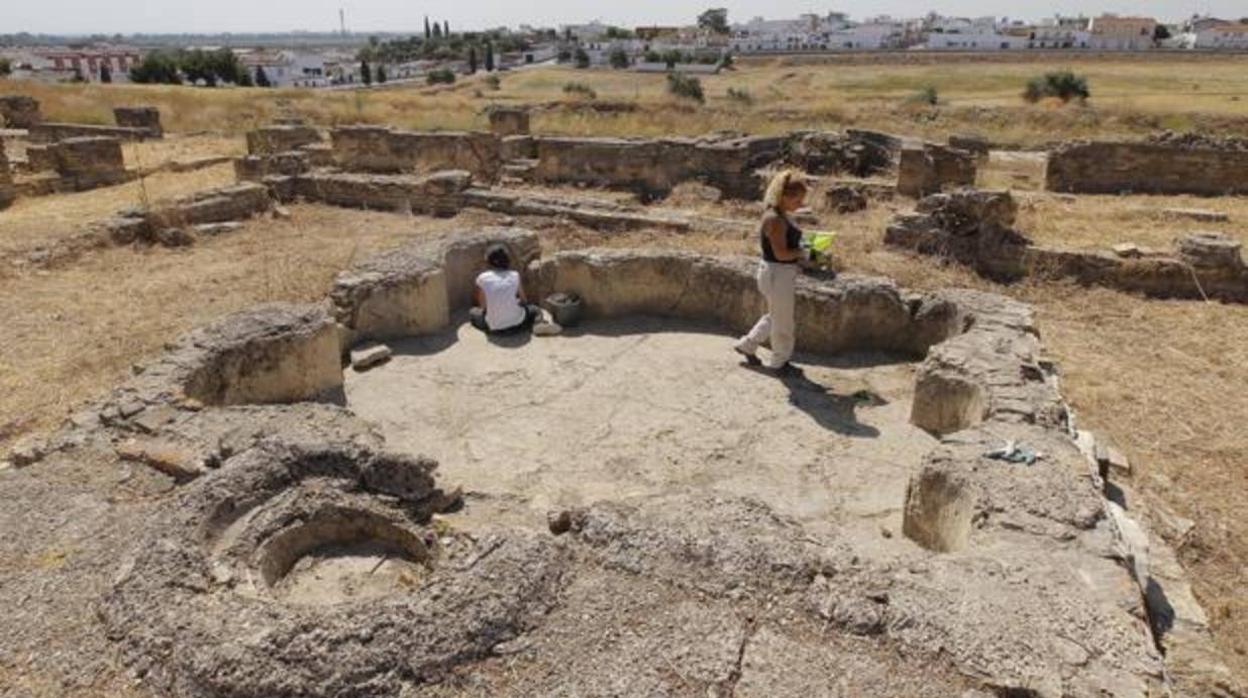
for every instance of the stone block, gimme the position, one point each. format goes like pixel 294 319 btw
pixel 8 192
pixel 385 151
pixel 367 356
pixel 19 111
pixel 1211 251
pixel 147 118
pixel 90 162
pixel 509 121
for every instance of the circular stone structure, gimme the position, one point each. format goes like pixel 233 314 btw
pixel 224 596
pixel 716 531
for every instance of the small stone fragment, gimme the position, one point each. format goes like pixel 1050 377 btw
pixel 27 451
pixel 1127 250
pixel 174 237
pixel 1197 214
pixel 282 213
pixel 163 456
pixel 213 229
pixel 547 329
pixel 370 355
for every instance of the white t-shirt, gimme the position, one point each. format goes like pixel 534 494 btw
pixel 501 288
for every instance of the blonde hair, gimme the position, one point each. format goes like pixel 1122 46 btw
pixel 785 183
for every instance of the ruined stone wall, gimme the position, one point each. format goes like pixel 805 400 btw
pixel 654 167
pixel 1146 168
pixel 383 150
pixel 934 168
pixel 19 111
pixel 271 140
pixel 7 192
pixel 140 117
pixel 49 132
pixel 975 228
pixel 90 162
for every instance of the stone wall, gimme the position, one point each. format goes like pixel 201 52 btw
pixel 509 121
pixel 49 132
pixel 653 168
pixel 383 150
pixel 140 117
pixel 934 168
pixel 975 228
pixel 1146 168
pixel 19 111
pixel 90 162
pixel 414 290
pixel 438 194
pixel 7 191
pixel 271 140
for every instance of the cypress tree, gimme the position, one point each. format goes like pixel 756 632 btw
pixel 366 73
pixel 446 29
pixel 489 57
pixel 428 32
pixel 106 75
pixel 472 60
pixel 262 78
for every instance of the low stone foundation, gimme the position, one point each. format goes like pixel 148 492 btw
pixel 170 224
pixel 975 228
pixel 379 149
pixel 653 168
pixel 1146 168
pixel 50 132
pixel 271 140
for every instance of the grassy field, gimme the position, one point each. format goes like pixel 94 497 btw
pixel 1129 97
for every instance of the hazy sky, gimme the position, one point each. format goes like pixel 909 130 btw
pixel 126 16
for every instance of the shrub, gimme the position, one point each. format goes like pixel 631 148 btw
pixel 441 76
pixel 6 68
pixel 582 58
pixel 741 96
pixel 494 82
pixel 579 89
pixel 618 58
pixel 1062 84
pixel 926 95
pixel 685 86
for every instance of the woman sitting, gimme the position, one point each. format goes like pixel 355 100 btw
pixel 499 298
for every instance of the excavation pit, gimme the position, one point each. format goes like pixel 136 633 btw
pixel 343 555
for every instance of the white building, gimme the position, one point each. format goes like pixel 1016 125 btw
pixel 1114 33
pixel 811 33
pixel 1224 36
pixel 976 42
pixel 287 68
pixel 1061 32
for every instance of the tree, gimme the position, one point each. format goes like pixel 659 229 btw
pixel 581 58
pixel 428 31
pixel 381 74
pixel 106 74
pixel 618 58
pixel 472 60
pixel 437 30
pixel 446 29
pixel 6 68
pixel 262 78
pixel 714 20
pixel 157 67
pixel 245 80
pixel 366 73
pixel 489 56
pixel 1161 32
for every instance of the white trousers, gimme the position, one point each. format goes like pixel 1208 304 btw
pixel 777 283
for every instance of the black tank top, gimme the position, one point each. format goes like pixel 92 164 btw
pixel 792 239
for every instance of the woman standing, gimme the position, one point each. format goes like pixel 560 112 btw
pixel 781 243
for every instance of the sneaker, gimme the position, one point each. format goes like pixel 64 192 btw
pixel 751 359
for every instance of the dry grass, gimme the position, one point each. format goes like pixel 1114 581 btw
pixel 1130 97
pixel 38 221
pixel 1103 221
pixel 79 328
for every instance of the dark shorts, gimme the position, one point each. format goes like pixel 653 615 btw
pixel 531 313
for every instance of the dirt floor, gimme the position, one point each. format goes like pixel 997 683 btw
pixel 635 407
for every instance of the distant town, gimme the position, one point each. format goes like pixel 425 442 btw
pixel 439 52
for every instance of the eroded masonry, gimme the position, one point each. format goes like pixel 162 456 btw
pixel 370 498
